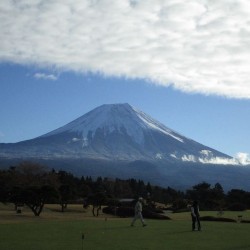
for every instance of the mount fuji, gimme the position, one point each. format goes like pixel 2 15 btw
pixel 118 140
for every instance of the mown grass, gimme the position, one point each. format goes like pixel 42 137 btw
pixel 63 231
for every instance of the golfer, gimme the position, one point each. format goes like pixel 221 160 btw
pixel 138 213
pixel 195 214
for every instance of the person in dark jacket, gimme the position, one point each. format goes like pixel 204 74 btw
pixel 195 214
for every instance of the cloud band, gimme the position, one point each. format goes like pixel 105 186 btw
pixel 195 46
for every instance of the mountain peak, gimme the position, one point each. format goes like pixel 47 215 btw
pixel 123 118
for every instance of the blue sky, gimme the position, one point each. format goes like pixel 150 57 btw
pixel 187 69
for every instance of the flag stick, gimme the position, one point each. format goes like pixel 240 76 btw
pixel 82 240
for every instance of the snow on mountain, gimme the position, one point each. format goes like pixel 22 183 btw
pixel 118 140
pixel 115 117
pixel 115 131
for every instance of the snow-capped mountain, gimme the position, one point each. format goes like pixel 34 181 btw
pixel 116 131
pixel 117 140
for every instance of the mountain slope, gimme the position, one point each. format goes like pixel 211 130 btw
pixel 118 140
pixel 116 131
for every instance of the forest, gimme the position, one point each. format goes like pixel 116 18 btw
pixel 34 185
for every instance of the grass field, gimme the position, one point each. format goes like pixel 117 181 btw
pixel 63 231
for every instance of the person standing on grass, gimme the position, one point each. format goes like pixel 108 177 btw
pixel 195 214
pixel 138 213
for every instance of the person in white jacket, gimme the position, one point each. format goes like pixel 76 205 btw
pixel 195 214
pixel 138 213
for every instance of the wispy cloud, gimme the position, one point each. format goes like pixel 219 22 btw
pixel 195 46
pixel 206 157
pixel 45 76
pixel 243 158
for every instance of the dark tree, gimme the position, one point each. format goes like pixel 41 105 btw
pixel 4 186
pixel 31 184
pixel 67 188
pixel 238 199
pixel 96 200
pixel 36 197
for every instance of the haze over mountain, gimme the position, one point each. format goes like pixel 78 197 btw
pixel 118 140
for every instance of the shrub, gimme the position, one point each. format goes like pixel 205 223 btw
pixel 245 221
pixel 237 207
pixel 119 211
pixel 129 212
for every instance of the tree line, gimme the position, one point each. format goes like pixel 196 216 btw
pixel 34 185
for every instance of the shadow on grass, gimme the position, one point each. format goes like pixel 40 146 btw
pixel 220 219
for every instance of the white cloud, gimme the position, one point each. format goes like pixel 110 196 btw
pixel 219 160
pixel 195 46
pixel 76 139
pixel 241 159
pixel 190 158
pixel 45 76
pixel 158 156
